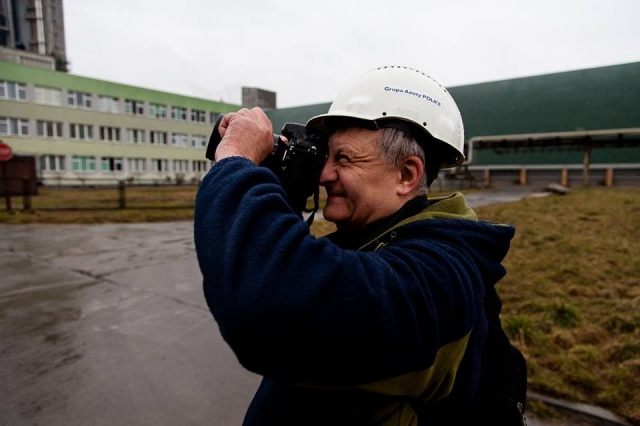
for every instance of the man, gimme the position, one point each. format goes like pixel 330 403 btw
pixel 382 322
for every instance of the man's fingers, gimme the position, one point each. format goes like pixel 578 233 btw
pixel 224 124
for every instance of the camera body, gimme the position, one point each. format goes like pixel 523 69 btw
pixel 297 163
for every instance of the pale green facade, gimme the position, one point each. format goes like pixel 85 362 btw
pixel 92 130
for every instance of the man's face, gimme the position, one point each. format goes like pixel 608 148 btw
pixel 360 187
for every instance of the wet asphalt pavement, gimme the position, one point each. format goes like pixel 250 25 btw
pixel 107 325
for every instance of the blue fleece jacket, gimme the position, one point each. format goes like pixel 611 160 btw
pixel 383 334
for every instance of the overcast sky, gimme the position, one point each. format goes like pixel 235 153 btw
pixel 307 51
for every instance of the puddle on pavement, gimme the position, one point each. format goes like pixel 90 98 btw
pixel 37 343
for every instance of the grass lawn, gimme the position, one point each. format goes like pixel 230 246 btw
pixel 572 294
pixel 102 205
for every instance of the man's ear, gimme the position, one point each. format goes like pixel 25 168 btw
pixel 410 175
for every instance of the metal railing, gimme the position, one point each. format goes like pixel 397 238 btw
pixel 106 195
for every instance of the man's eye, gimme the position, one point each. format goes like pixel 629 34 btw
pixel 341 158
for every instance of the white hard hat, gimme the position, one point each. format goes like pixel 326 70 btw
pixel 403 98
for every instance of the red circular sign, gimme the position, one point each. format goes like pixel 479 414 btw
pixel 5 151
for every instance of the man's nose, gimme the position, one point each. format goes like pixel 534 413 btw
pixel 328 173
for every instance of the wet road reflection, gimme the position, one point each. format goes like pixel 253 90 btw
pixel 106 324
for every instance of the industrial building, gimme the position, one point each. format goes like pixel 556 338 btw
pixel 573 128
pixel 32 33
pixel 577 127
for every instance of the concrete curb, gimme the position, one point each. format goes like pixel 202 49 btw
pixel 595 415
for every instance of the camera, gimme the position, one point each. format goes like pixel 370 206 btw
pixel 297 163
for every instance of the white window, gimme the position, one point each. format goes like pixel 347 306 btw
pixel 180 165
pixel 48 96
pixel 13 90
pixel 111 164
pixel 158 138
pixel 159 165
pixel 133 107
pixel 108 133
pixel 157 110
pixel 108 104
pixel 80 131
pixel 198 116
pixel 137 164
pixel 178 113
pixel 179 139
pixel 81 163
pixel 199 141
pixel 199 166
pixel 213 116
pixel 52 163
pixel 14 126
pixel 136 136
pixel 79 99
pixel 49 129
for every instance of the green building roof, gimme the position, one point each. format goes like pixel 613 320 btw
pixel 589 99
pixel 279 117
pixel 592 105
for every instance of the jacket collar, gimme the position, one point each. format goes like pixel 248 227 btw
pixel 354 240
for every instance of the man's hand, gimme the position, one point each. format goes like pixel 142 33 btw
pixel 247 133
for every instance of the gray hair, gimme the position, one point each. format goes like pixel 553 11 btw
pixel 395 146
